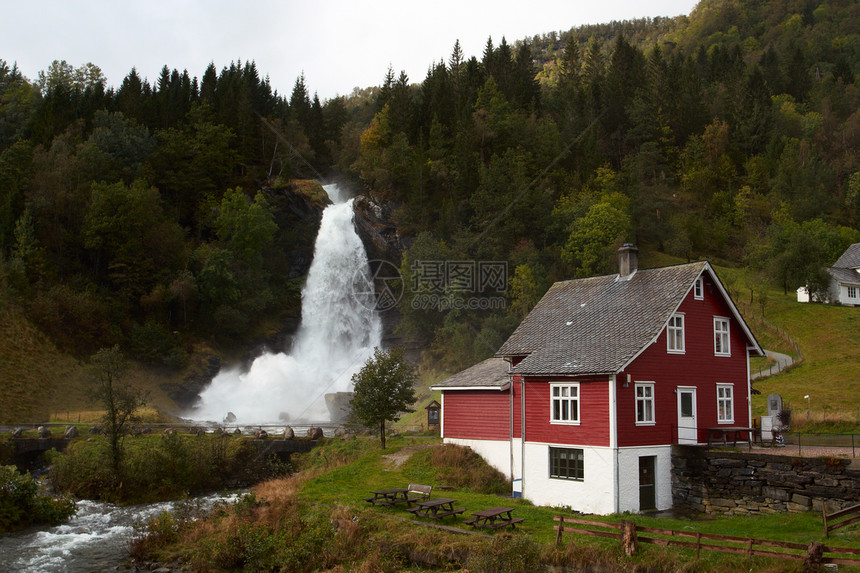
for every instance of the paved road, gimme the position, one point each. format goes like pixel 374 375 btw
pixel 781 362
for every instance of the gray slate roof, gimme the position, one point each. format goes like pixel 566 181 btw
pixel 850 259
pixel 491 373
pixel 597 325
pixel 845 276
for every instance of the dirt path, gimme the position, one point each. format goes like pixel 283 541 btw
pixel 398 458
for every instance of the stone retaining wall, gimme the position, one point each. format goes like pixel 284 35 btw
pixel 732 483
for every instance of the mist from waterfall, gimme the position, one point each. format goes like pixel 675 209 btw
pixel 338 332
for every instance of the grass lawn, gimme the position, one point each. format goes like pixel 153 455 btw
pixel 372 468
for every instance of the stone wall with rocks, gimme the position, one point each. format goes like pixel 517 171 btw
pixel 731 483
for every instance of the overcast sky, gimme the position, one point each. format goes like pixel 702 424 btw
pixel 338 44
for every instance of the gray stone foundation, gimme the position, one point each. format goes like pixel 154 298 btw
pixel 735 483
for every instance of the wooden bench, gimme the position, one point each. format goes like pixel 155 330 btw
pixel 417 492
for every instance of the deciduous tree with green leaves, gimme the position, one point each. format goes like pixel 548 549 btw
pixel 383 389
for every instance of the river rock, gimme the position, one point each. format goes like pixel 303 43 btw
pixel 289 434
pixel 16 433
pixel 315 433
pixel 261 434
pixel 44 432
pixel 169 431
pixel 71 432
pixel 95 430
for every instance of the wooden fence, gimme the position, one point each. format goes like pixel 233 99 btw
pixel 627 532
pixel 828 519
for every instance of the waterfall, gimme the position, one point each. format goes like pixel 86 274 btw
pixel 338 332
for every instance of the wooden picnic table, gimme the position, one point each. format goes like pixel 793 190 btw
pixel 435 508
pixel 722 434
pixel 494 518
pixel 390 496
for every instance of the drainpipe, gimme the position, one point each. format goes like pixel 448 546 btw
pixel 511 440
pixel 523 436
pixel 749 392
pixel 613 435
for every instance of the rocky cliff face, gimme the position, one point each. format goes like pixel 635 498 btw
pixel 375 225
pixel 297 208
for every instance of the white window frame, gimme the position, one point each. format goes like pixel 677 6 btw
pixel 647 402
pixel 725 403
pixel 699 289
pixel 722 336
pixel 674 328
pixel 564 403
pixel 852 292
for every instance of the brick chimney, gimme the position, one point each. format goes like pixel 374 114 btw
pixel 628 260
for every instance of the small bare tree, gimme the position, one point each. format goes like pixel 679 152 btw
pixel 120 401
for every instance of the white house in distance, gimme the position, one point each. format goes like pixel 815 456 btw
pixel 844 286
pixel 582 404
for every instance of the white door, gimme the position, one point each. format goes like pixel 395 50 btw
pixel 687 429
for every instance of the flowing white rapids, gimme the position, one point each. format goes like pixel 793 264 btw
pixel 96 539
pixel 338 332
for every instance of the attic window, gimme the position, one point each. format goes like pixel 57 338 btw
pixel 675 334
pixel 698 291
pixel 722 345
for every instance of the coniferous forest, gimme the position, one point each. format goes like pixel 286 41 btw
pixel 143 214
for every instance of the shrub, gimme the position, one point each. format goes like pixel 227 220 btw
pixel 461 467
pixel 158 467
pixel 21 504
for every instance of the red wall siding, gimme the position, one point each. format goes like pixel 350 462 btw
pixel 593 428
pixel 477 415
pixel 516 388
pixel 696 367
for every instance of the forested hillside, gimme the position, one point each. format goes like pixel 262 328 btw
pixel 146 214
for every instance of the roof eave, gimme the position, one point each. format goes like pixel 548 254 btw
pixel 499 387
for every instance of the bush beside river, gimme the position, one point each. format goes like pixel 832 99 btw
pixel 161 467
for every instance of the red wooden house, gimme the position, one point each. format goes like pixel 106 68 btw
pixel 582 404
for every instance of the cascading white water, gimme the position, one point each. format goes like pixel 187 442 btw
pixel 338 332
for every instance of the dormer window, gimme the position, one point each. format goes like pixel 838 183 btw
pixel 698 289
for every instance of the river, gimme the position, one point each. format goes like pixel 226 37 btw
pixel 96 539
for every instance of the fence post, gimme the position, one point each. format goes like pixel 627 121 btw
pixel 814 553
pixel 628 537
pixel 698 544
pixel 560 530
